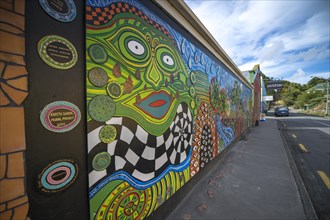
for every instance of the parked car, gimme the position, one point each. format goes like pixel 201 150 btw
pixel 282 111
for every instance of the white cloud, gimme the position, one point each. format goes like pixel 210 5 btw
pixel 282 36
pixel 311 54
pixel 273 50
pixel 301 77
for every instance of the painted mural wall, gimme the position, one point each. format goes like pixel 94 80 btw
pixel 159 109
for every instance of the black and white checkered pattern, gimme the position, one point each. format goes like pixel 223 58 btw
pixel 139 153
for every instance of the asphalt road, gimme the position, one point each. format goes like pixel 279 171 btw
pixel 308 138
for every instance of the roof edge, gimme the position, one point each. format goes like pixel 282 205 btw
pixel 180 11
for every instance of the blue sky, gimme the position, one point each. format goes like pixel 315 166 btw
pixel 289 39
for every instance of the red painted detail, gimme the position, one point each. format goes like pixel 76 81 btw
pixel 158 103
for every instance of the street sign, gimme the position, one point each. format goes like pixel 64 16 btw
pixel 267 98
pixel 274 85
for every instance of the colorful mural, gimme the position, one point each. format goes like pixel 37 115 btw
pixel 159 109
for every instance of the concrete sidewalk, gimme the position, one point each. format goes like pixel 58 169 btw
pixel 253 181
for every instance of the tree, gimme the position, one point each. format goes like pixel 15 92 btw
pixel 290 92
pixel 309 98
pixel 314 81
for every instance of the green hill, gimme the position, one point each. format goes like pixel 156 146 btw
pixel 310 97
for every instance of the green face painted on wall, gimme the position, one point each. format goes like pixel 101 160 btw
pixel 147 67
pixel 150 53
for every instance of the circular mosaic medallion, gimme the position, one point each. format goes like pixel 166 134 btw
pixel 61 10
pixel 125 202
pixel 101 161
pixel 57 52
pixel 98 77
pixel 101 108
pixel 108 134
pixel 57 176
pixel 98 53
pixel 114 89
pixel 192 78
pixel 192 91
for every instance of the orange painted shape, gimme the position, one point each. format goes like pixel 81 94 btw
pixel 13 189
pixel 89 17
pixel 6 215
pixel 3 162
pixel 12 18
pixel 17 202
pixel 20 7
pixel 10 29
pixel 6 5
pixel 15 165
pixel 12 43
pixel 13 71
pixel 12 135
pixel 21 211
pixel 17 96
pixel 2 64
pixel 2 208
pixel 3 99
pixel 20 83
pixel 12 58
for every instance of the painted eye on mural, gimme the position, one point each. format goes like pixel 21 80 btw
pixel 135 47
pixel 168 60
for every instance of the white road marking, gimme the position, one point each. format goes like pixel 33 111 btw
pixel 322 123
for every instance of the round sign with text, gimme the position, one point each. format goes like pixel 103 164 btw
pixel 60 116
pixel 61 10
pixel 57 52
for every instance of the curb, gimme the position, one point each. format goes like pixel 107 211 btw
pixel 305 198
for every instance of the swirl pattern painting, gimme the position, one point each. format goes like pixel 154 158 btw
pixel 159 109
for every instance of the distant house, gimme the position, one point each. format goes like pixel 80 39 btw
pixel 255 78
pixel 319 87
